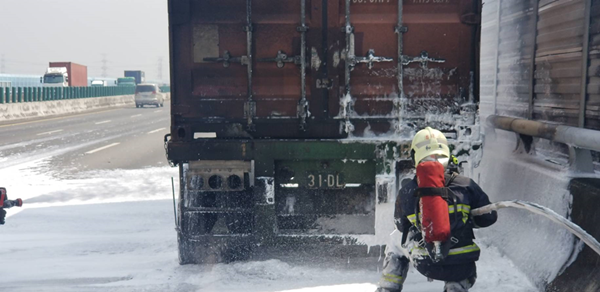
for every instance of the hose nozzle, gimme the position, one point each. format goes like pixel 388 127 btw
pixel 438 256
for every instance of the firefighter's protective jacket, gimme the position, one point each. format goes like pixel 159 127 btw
pixel 463 251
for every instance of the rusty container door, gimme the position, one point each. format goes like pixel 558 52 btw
pixel 438 43
pixel 317 68
pixel 247 68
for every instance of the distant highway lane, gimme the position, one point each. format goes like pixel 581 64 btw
pixel 118 138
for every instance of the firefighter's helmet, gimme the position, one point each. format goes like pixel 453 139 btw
pixel 429 142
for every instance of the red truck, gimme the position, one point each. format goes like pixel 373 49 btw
pixel 76 74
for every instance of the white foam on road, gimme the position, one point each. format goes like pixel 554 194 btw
pixel 68 238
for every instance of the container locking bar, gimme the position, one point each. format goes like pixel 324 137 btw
pixel 344 102
pixel 250 105
pixel 424 59
pixel 302 111
pixel 400 101
pixel 351 60
pixel 281 58
pixel 369 59
pixel 227 59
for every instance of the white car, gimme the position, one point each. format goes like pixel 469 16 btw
pixel 148 94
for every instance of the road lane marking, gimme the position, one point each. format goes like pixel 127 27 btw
pixel 48 133
pixel 102 148
pixel 103 122
pixel 158 111
pixel 53 119
pixel 138 115
pixel 157 130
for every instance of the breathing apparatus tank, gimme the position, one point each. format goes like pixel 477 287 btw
pixel 431 154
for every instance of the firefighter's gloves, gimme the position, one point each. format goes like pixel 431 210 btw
pixel 410 236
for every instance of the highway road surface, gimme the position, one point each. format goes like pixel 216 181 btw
pixel 117 138
pixel 98 216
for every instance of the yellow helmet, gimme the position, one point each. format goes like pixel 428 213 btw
pixel 428 142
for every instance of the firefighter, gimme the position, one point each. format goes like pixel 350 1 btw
pixel 5 203
pixel 2 216
pixel 453 260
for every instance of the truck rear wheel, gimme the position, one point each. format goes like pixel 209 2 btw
pixel 185 251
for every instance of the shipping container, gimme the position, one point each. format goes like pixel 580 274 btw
pixel 291 120
pixel 126 81
pixel 77 73
pixel 109 81
pixel 140 76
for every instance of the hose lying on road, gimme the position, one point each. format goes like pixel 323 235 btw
pixel 541 210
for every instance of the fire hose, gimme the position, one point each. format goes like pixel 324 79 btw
pixel 548 213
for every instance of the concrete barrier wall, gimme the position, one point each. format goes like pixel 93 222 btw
pixel 18 111
pixel 538 247
pixel 584 274
pixel 550 256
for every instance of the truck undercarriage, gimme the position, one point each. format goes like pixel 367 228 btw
pixel 322 196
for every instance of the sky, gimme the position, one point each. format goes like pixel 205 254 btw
pixel 128 34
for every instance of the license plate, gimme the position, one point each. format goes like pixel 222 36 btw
pixel 325 181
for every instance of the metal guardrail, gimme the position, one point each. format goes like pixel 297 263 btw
pixel 36 94
pixel 580 141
